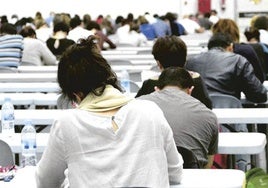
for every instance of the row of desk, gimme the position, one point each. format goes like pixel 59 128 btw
pixel 32 99
pixel 224 115
pixel 54 69
pixel 191 178
pixel 229 143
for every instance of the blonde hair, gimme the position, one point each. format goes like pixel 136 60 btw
pixel 227 26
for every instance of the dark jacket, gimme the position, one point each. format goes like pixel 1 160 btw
pixel 249 53
pixel 228 73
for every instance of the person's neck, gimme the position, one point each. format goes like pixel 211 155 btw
pixel 60 35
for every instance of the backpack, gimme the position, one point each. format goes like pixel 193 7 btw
pixel 256 178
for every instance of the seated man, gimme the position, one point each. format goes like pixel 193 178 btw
pixel 11 46
pixel 171 51
pixel 225 72
pixel 194 126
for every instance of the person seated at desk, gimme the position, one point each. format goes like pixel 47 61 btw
pixel 229 26
pixel 58 42
pixel 35 51
pixel 109 140
pixel 171 51
pixel 225 72
pixel 194 126
pixel 104 42
pixel 11 46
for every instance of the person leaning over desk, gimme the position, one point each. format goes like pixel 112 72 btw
pixel 109 140
pixel 171 51
pixel 194 126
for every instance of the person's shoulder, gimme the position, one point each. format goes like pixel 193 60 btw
pixel 143 106
pixel 150 81
pixel 10 37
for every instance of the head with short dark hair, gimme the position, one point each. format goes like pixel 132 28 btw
pixel 221 40
pixel 8 28
pixel 75 21
pixel 252 34
pixel 170 51
pixel 82 69
pixel 175 76
pixel 61 26
pixel 93 25
pixel 28 31
pixel 261 22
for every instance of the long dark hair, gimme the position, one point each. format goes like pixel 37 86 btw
pixel 83 69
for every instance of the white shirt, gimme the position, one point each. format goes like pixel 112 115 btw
pixel 79 32
pixel 141 153
pixel 263 36
pixel 190 25
pixel 125 36
pixel 43 33
pixel 36 52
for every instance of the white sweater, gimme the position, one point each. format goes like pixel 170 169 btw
pixel 36 52
pixel 141 153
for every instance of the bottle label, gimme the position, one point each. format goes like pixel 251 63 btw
pixel 8 116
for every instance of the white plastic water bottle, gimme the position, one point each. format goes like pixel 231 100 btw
pixel 124 80
pixel 28 143
pixel 7 117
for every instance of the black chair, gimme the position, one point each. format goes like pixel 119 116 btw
pixel 189 158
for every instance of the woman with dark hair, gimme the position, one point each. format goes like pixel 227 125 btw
pixel 59 42
pixel 103 39
pixel 109 140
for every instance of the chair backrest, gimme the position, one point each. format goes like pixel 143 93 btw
pixel 134 87
pixel 228 101
pixel 6 155
pixel 189 158
pixel 225 101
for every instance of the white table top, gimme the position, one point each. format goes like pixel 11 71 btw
pixel 28 77
pixel 15 141
pixel 241 143
pixel 211 178
pixel 192 178
pixel 242 115
pixel 54 69
pixel 38 69
pixel 30 98
pixel 52 87
pixel 229 143
pixel 129 56
pixel 225 115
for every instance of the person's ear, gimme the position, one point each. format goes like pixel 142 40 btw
pixel 189 90
pixel 79 97
pixel 156 88
pixel 230 48
pixel 159 65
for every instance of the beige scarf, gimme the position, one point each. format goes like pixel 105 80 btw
pixel 110 99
